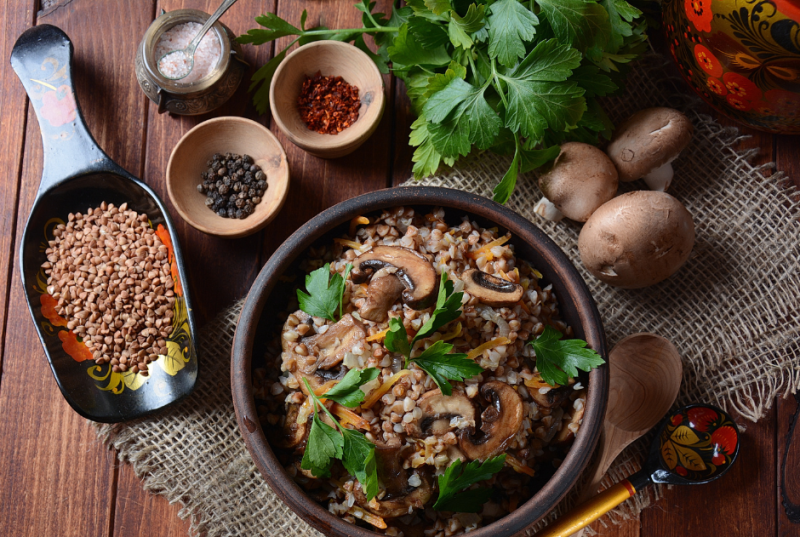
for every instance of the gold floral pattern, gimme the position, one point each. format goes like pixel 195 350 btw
pixel 741 56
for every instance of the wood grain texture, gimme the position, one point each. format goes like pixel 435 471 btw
pixel 786 159
pixel 788 455
pixel 57 480
pixel 144 514
pixel 15 18
pixel 742 502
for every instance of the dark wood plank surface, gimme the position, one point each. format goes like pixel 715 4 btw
pixel 57 479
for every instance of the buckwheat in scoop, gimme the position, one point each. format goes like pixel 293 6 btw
pixel 110 274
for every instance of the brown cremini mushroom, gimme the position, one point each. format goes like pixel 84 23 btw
pixel 551 398
pixel 413 270
pixel 292 434
pixel 491 290
pixel 500 422
pixel 580 180
pixel 637 239
pixel 382 292
pixel 645 145
pixel 401 498
pixel 315 356
pixel 438 411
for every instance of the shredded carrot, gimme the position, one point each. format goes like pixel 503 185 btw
pixel 347 416
pixel 379 392
pixel 477 351
pixel 377 337
pixel 537 274
pixel 487 247
pixel 537 382
pixel 366 516
pixel 351 244
pixel 518 465
pixel 505 276
pixel 454 334
pixel 524 306
pixel 355 222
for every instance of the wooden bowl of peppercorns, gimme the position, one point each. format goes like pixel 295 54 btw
pixel 228 177
pixel 327 98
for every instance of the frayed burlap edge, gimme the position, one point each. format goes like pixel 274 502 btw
pixel 193 454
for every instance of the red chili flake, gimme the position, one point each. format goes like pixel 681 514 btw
pixel 328 105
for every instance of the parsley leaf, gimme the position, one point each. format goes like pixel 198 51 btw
pixel 507 184
pixel 620 14
pixel 454 480
pixel 448 309
pixel 276 27
pixel 359 460
pixel 460 28
pixel 325 293
pixel 397 338
pixel 323 446
pixel 351 447
pixel 347 392
pixel 441 366
pixel 557 360
pixel 582 23
pixel 510 25
pixel 406 51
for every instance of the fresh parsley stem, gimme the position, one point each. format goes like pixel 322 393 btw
pixel 372 19
pixel 475 71
pixel 318 402
pixel 496 84
pixel 379 29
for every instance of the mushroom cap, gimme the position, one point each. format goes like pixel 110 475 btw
pixel 500 422
pixel 581 179
pixel 413 269
pixel 382 292
pixel 647 140
pixel 437 412
pixel 491 290
pixel 637 239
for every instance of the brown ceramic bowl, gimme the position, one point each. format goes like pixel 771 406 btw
pixel 223 135
pixel 257 322
pixel 330 58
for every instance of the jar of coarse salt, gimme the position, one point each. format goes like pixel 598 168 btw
pixel 218 64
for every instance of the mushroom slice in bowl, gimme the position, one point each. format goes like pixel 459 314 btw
pixel 413 270
pixel 491 290
pixel 402 496
pixel 439 412
pixel 500 422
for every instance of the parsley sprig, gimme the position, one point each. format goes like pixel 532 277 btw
pixel 514 77
pixel 325 292
pixel 437 360
pixel 454 480
pixel 326 444
pixel 558 359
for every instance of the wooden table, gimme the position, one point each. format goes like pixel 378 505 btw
pixel 55 477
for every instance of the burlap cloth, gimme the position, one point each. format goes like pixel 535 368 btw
pixel 733 312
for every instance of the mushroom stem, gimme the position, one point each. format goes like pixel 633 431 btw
pixel 545 208
pixel 660 178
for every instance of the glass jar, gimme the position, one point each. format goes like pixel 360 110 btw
pixel 192 98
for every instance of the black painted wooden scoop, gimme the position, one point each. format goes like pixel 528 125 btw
pixel 78 175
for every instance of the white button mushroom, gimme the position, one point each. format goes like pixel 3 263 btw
pixel 637 239
pixel 581 179
pixel 645 145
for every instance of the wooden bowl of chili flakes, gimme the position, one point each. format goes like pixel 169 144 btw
pixel 327 97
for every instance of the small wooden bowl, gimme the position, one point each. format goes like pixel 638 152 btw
pixel 330 58
pixel 223 135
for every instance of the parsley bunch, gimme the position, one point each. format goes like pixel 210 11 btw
pixel 326 444
pixel 437 360
pixel 516 78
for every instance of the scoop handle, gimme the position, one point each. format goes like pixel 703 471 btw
pixel 42 59
pixel 586 513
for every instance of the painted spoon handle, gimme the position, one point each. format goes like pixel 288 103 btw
pixel 585 514
pixel 42 59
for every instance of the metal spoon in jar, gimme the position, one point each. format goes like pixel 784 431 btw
pixel 186 56
pixel 695 445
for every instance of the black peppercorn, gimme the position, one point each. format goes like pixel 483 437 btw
pixel 260 176
pixel 233 185
pixel 201 188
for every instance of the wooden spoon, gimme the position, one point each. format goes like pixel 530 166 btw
pixel 646 374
